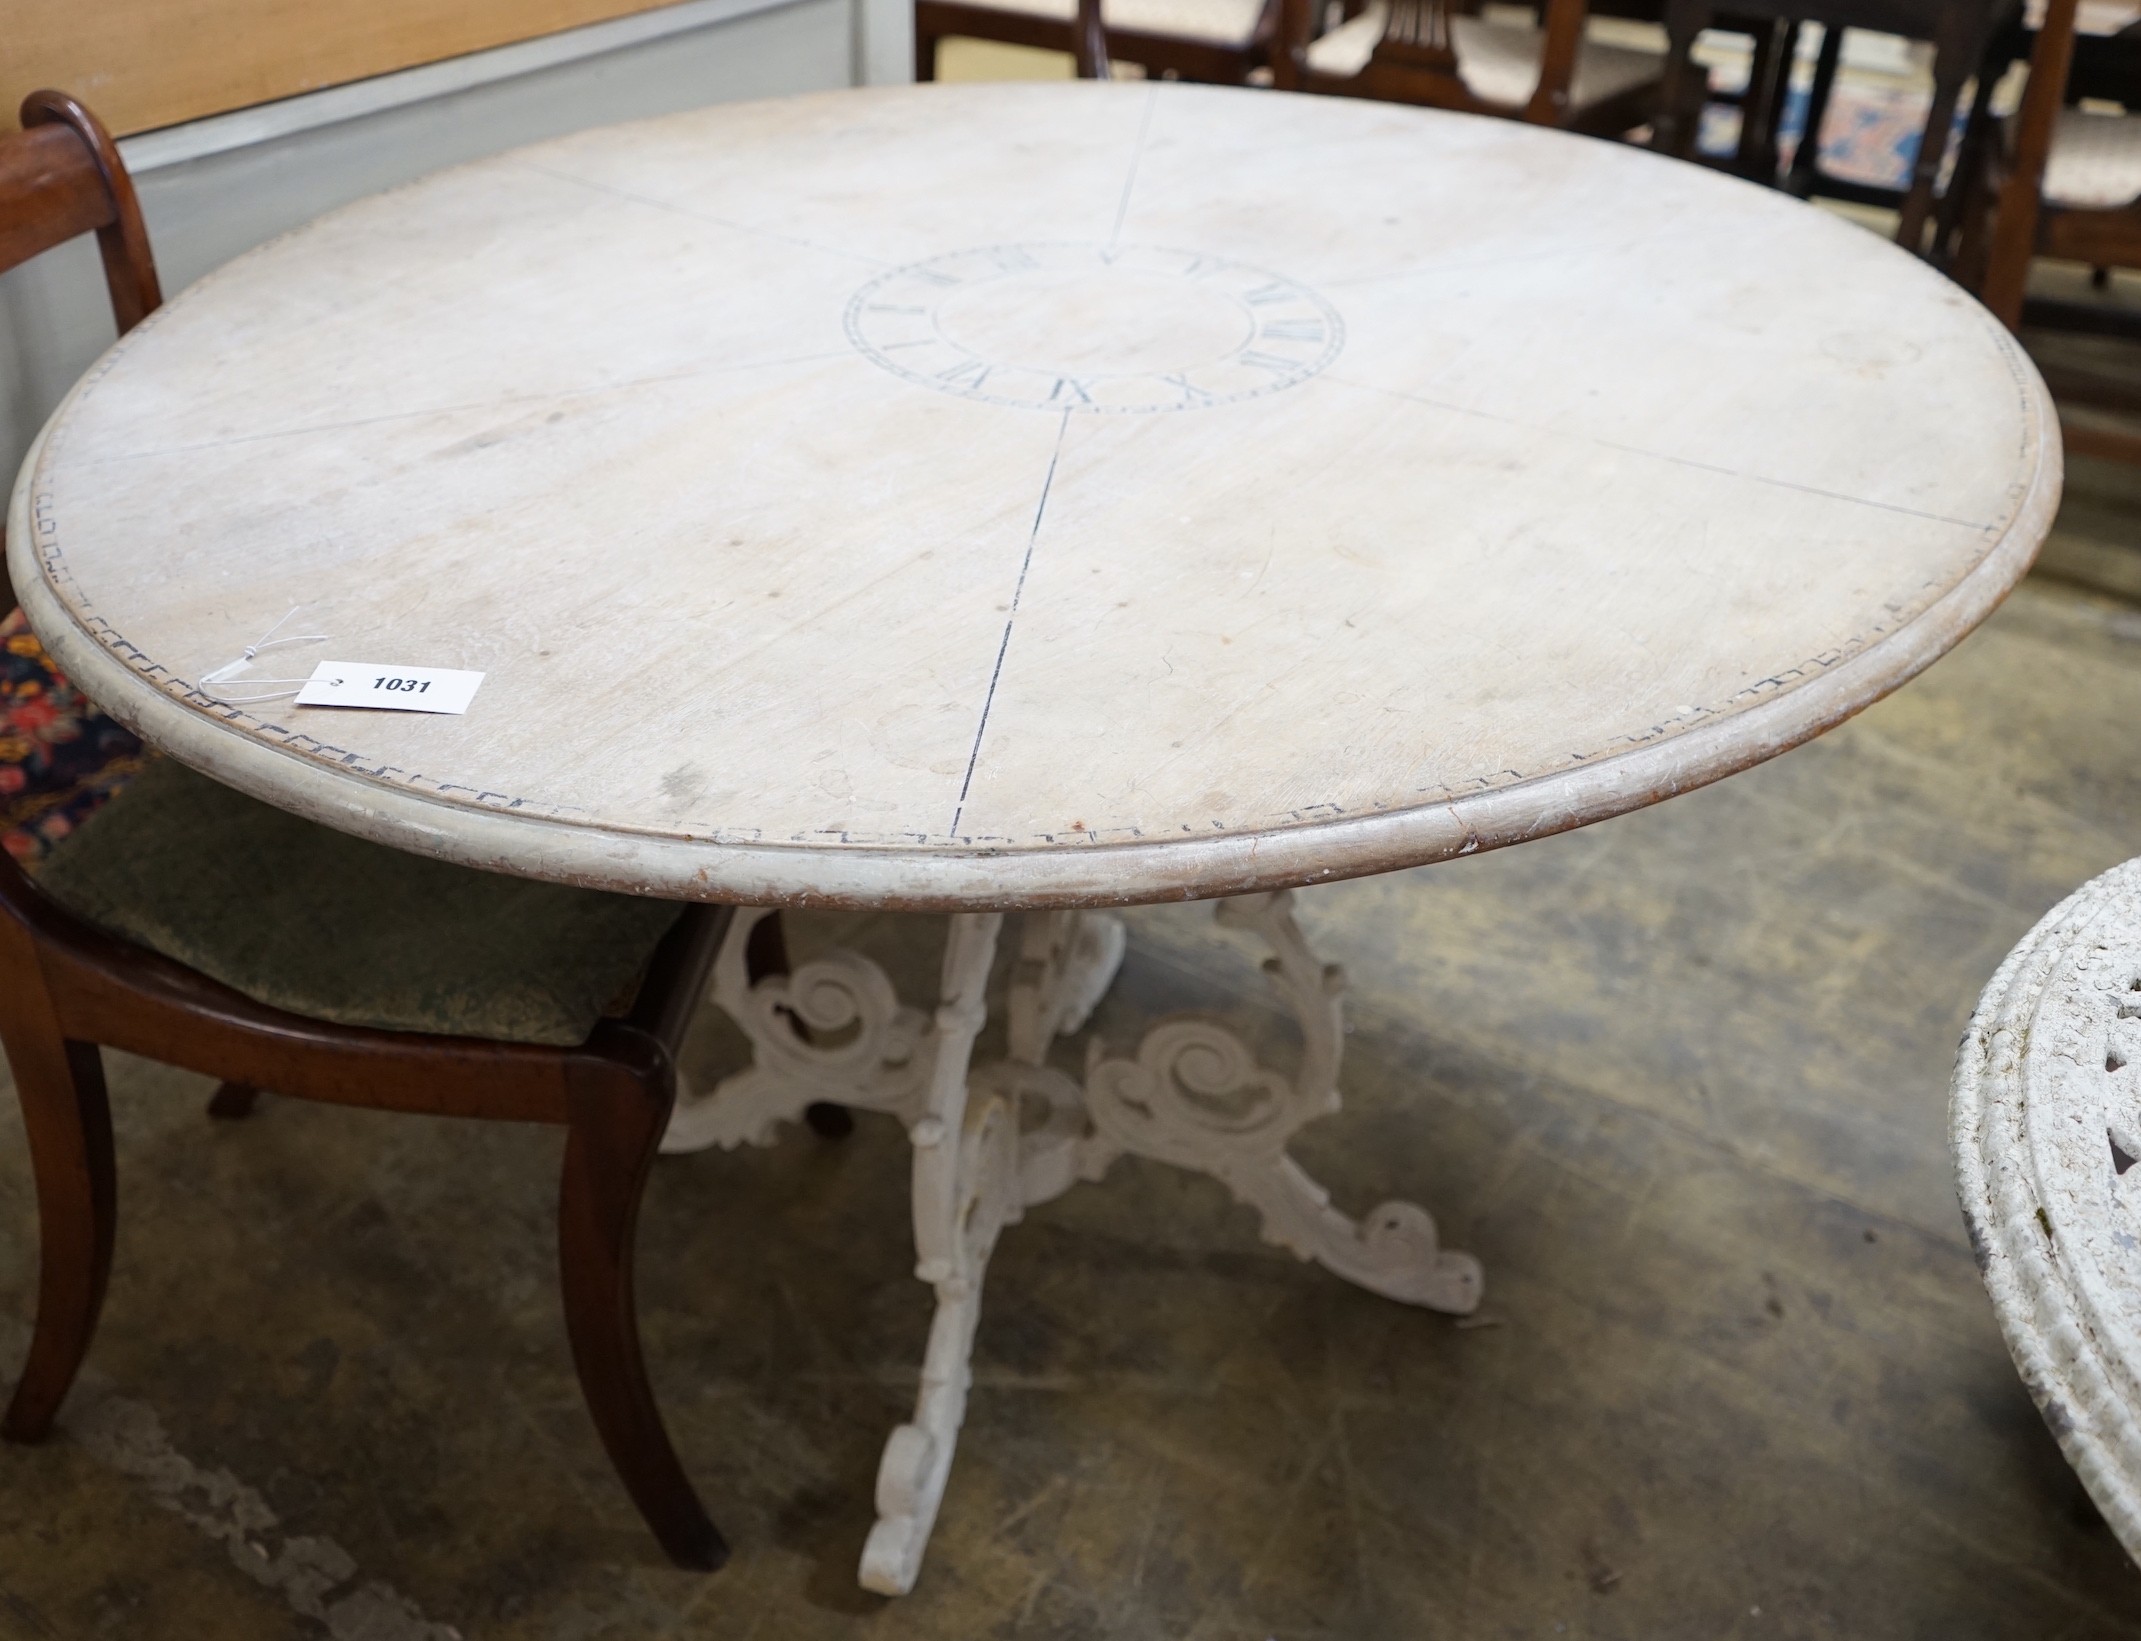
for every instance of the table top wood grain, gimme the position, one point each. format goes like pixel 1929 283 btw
pixel 984 496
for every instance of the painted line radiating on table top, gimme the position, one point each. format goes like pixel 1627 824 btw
pixel 509 402
pixel 1686 226
pixel 729 223
pixel 1137 153
pixel 1662 456
pixel 1004 644
pixel 1196 741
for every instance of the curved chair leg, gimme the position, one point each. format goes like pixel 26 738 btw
pixel 614 1129
pixel 232 1101
pixel 61 1087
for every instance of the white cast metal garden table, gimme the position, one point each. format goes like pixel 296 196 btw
pixel 2047 1132
pixel 1037 499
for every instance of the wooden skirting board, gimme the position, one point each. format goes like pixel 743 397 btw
pixel 146 64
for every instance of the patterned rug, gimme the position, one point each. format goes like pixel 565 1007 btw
pixel 60 758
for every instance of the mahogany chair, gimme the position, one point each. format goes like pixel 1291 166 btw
pixel 60 178
pixel 1219 41
pixel 1960 32
pixel 285 956
pixel 1772 44
pixel 2065 182
pixel 1446 55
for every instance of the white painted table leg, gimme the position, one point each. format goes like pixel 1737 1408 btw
pixel 965 1191
pixel 1195 1096
pixel 992 1140
pixel 836 1030
pixel 1066 962
pixel 833 1030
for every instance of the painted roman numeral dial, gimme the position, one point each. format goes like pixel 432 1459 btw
pixel 1093 328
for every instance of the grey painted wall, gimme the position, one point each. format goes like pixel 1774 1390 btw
pixel 55 317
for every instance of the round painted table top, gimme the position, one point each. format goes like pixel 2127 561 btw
pixel 1037 494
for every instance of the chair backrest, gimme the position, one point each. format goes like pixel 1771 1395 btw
pixel 60 176
pixel 1416 58
pixel 1089 42
pixel 1419 43
pixel 2014 227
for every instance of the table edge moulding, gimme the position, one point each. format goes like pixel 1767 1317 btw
pixel 1061 876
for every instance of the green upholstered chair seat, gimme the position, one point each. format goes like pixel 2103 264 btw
pixel 327 925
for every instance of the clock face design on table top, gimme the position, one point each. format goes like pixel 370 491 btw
pixel 1094 328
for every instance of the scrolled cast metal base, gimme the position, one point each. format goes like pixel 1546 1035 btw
pixel 994 1139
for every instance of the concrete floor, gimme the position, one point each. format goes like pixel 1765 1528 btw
pixel 1680 1080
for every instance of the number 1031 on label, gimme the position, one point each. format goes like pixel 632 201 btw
pixel 395 689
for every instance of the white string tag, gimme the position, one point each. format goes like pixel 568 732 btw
pixel 395 689
pixel 259 689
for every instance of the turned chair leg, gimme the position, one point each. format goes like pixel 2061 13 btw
pixel 1676 128
pixel 615 1128
pixel 231 1101
pixel 767 953
pixel 61 1088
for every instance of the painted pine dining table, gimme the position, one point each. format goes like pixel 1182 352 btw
pixel 1024 501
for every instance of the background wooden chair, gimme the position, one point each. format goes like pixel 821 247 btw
pixel 2065 182
pixel 1219 41
pixel 1760 99
pixel 187 923
pixel 1441 54
pixel 1960 31
pixel 59 757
